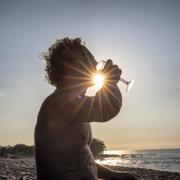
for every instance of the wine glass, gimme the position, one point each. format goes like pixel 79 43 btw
pixel 129 84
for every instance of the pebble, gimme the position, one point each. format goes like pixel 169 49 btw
pixel 17 169
pixel 25 169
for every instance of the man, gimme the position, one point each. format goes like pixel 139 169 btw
pixel 63 132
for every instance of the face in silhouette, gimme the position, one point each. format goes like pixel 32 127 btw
pixel 79 70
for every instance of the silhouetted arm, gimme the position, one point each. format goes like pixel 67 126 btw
pixel 102 107
pixel 107 173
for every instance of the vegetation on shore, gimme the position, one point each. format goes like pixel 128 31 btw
pixel 22 150
pixel 17 151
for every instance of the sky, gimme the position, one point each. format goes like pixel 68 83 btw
pixel 141 37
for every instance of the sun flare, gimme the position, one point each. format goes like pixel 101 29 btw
pixel 98 80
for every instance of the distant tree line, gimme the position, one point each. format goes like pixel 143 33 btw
pixel 22 150
pixel 19 150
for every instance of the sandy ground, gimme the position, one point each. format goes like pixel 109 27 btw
pixel 25 169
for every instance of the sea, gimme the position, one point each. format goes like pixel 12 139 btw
pixel 157 159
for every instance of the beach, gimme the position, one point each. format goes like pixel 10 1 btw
pixel 25 169
pixel 149 174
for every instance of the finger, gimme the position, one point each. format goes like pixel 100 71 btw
pixel 118 71
pixel 114 77
pixel 114 69
pixel 108 65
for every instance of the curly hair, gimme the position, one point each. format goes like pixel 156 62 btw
pixel 61 51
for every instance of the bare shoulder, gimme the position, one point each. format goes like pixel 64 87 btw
pixel 51 102
pixel 55 97
pixel 53 108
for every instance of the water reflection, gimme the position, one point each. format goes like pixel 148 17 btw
pixel 115 158
pixel 168 160
pixel 116 152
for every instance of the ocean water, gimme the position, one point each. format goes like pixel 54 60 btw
pixel 159 159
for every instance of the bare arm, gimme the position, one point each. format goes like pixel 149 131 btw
pixel 107 102
pixel 107 173
pixel 103 107
pixel 100 108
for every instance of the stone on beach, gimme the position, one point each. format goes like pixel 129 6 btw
pixel 25 169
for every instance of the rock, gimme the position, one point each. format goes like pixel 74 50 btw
pixel 25 178
pixel 25 169
pixel 3 177
pixel 22 173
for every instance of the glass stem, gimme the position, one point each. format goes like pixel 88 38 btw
pixel 124 81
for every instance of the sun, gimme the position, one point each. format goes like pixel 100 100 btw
pixel 98 80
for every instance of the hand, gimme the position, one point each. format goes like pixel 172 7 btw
pixel 112 72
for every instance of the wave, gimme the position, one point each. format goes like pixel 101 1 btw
pixel 168 160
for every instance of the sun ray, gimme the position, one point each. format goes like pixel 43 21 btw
pixel 99 101
pixel 78 106
pixel 76 86
pixel 77 77
pixel 110 91
pixel 78 70
pixel 79 57
pixel 90 108
pixel 108 100
pixel 90 57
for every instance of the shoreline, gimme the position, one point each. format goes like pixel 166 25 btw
pixel 25 169
pixel 148 174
